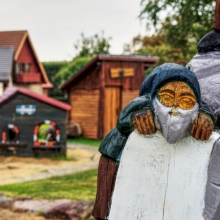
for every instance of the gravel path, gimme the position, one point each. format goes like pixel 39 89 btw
pixel 83 146
pixel 16 170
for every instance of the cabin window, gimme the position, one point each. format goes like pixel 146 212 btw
pixel 46 133
pixel 10 133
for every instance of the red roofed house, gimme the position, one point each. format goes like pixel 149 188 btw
pixel 19 64
pixel 32 124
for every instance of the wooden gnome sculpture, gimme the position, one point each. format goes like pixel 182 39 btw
pixel 206 66
pixel 171 172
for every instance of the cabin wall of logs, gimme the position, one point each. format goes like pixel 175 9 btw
pixel 99 91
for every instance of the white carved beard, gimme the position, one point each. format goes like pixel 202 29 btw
pixel 172 127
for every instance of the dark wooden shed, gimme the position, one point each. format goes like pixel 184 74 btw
pixel 32 124
pixel 102 88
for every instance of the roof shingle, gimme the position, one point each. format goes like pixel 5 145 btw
pixel 6 63
pixel 12 38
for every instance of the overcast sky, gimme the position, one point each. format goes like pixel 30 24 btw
pixel 55 25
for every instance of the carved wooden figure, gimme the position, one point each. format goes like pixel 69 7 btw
pixel 168 165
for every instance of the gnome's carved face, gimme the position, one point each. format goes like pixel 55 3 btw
pixel 176 108
pixel 177 94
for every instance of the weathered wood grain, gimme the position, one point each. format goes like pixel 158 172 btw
pixel 128 95
pixel 161 181
pixel 133 82
pixel 91 80
pixel 98 77
pixel 112 107
pixel 84 111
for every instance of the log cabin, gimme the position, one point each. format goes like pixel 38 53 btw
pixel 32 124
pixel 102 88
pixel 19 64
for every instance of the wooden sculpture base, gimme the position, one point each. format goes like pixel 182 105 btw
pixel 161 181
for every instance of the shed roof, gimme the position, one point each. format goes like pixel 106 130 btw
pixel 16 39
pixel 6 63
pixel 10 91
pixel 148 60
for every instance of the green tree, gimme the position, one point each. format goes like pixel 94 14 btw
pixel 157 45
pixel 51 69
pixel 91 46
pixel 87 47
pixel 185 23
pixel 71 69
pixel 65 73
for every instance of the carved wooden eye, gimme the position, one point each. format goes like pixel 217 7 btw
pixel 186 102
pixel 166 99
pixel 177 94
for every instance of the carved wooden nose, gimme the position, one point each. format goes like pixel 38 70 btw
pixel 174 112
pixel 216 23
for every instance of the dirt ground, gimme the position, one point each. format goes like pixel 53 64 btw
pixel 17 169
pixel 6 214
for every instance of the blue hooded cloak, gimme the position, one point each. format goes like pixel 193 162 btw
pixel 114 142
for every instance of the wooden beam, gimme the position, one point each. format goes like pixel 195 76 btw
pixel 101 103
pixel 216 23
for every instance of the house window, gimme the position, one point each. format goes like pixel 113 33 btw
pixel 22 68
pixel 27 67
pixel 16 68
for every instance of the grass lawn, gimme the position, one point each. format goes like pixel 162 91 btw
pixel 79 186
pixel 85 141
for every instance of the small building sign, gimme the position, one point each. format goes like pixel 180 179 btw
pixel 121 72
pixel 25 109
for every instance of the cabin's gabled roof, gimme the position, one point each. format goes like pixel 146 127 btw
pixel 16 39
pixel 147 60
pixel 6 63
pixel 10 91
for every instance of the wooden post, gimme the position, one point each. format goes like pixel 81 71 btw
pixel 216 23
